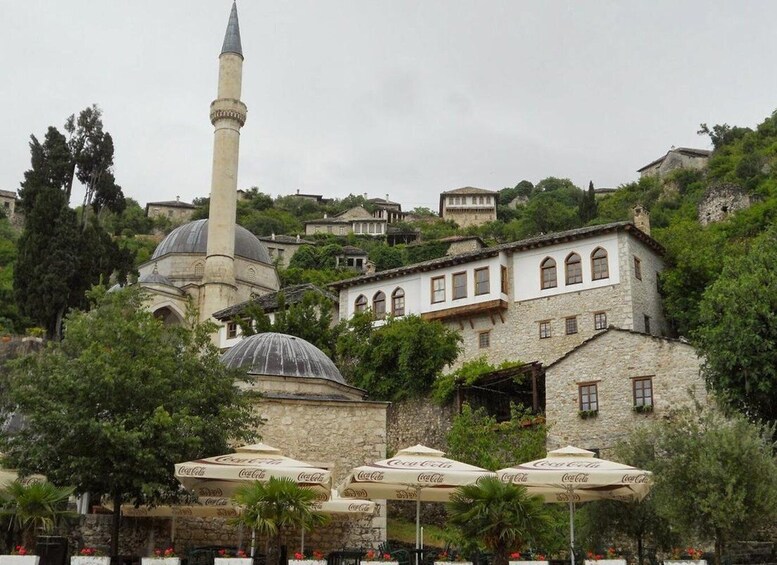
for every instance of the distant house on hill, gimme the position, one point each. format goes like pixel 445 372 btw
pixel 356 220
pixel 283 247
pixel 8 203
pixel 676 158
pixel 468 206
pixel 317 198
pixel 352 257
pixel 175 210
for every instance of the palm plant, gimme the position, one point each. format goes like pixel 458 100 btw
pixel 35 507
pixel 502 516
pixel 271 508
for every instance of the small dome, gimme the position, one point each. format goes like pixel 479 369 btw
pixel 193 238
pixel 281 355
pixel 155 278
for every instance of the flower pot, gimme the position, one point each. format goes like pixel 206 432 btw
pixel 363 562
pixel 529 563
pixel 90 560
pixel 682 562
pixel 308 562
pixel 233 561
pixel 452 563
pixel 19 559
pixel 605 562
pixel 161 561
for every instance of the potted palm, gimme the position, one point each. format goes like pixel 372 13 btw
pixel 271 509
pixel 502 516
pixel 36 508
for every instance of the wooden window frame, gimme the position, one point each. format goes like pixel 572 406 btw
pixel 637 268
pixel 602 273
pixel 546 324
pixel 589 406
pixel 644 397
pixel 432 281
pixel 356 304
pixel 487 334
pixel 504 282
pixel 568 262
pixel 231 330
pixel 396 295
pixel 543 268
pixel 597 325
pixel 646 322
pixel 462 276
pixel 487 281
pixel 379 298
pixel 566 325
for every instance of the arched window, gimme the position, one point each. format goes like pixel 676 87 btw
pixel 599 267
pixel 361 303
pixel 379 305
pixel 574 269
pixel 398 302
pixel 548 270
pixel 199 269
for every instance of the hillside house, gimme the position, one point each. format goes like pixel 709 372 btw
pixel 468 206
pixel 676 158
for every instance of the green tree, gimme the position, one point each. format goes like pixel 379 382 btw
pixel 738 330
pixel 588 207
pixel 274 508
pixel 121 398
pixel 501 515
pixel 477 438
pixel 385 257
pixel 35 508
pixel 399 359
pixel 716 477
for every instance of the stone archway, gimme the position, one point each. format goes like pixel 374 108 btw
pixel 168 316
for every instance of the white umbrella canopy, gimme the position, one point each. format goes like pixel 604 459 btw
pixel 571 474
pixel 7 476
pixel 220 476
pixel 415 473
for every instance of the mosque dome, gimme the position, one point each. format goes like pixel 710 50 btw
pixel 193 238
pixel 281 355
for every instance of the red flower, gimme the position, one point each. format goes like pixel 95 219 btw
pixel 298 556
pixel 516 555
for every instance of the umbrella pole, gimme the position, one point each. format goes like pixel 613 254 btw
pixel 571 528
pixel 417 524
pixel 253 541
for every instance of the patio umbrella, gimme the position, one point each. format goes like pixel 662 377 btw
pixel 219 476
pixel 415 473
pixel 7 476
pixel 574 475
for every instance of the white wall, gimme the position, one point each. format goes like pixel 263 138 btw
pixel 526 267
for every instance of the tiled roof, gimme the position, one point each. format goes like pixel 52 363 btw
pixel 469 190
pixel 280 238
pixel 683 151
pixel 269 302
pixel 530 243
pixel 172 204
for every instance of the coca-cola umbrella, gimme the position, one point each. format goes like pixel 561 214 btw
pixel 220 476
pixel 573 475
pixel 416 473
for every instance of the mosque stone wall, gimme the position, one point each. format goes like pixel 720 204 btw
pixel 418 420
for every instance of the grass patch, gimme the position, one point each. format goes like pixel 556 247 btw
pixel 401 530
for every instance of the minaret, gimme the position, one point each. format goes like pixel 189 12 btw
pixel 227 114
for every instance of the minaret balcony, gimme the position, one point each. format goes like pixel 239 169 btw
pixel 228 109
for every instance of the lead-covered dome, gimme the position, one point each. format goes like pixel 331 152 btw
pixel 281 355
pixel 193 238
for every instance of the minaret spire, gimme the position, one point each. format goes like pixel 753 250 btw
pixel 228 115
pixel 232 37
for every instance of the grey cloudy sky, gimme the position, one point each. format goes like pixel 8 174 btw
pixel 403 97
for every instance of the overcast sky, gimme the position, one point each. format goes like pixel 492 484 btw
pixel 403 97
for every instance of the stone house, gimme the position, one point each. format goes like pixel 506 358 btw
pixel 614 381
pixel 722 200
pixel 529 300
pixel 283 247
pixel 468 206
pixel 352 257
pixel 8 204
pixel 174 210
pixel 356 220
pixel 676 158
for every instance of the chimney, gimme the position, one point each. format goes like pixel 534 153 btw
pixel 641 219
pixel 297 238
pixel 369 267
pixel 387 198
pixel 298 191
pixel 325 216
pixel 365 196
pixel 273 236
pixel 177 198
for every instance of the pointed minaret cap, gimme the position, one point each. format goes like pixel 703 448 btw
pixel 232 38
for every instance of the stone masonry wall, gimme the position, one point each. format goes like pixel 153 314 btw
pixel 612 360
pixel 418 420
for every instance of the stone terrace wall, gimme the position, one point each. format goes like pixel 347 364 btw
pixel 418 420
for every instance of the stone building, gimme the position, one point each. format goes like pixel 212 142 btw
pixel 283 247
pixel 722 200
pixel 352 257
pixel 529 300
pixel 8 205
pixel 315 416
pixel 614 381
pixel 468 206
pixel 174 210
pixel 676 158
pixel 214 263
pixel 355 220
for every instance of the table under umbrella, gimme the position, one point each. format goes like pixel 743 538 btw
pixel 573 475
pixel 416 473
